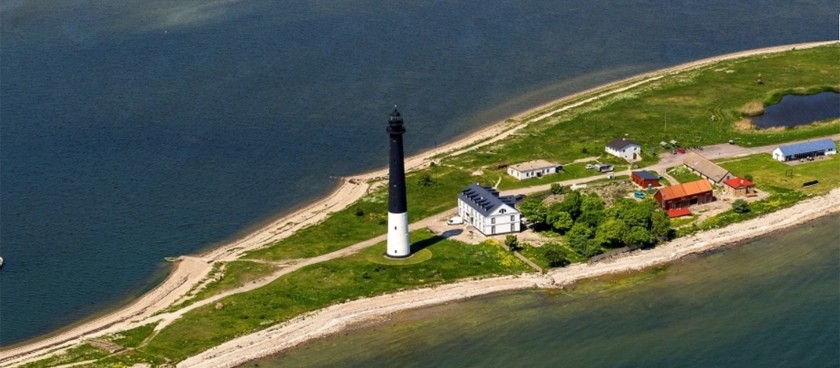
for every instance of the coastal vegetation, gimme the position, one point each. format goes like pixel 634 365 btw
pixel 770 174
pixel 688 107
pixel 345 227
pixel 327 283
pixel 590 228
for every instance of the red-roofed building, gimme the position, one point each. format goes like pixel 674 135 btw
pixel 679 212
pixel 740 187
pixel 684 195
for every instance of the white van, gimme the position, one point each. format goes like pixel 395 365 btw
pixel 455 220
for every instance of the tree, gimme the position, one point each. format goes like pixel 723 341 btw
pixel 512 242
pixel 740 206
pixel 555 256
pixel 611 232
pixel 556 188
pixel 639 236
pixel 619 207
pixel 638 215
pixel 591 210
pixel 578 237
pixel 533 210
pixel 560 221
pixel 591 202
pixel 660 225
pixel 571 204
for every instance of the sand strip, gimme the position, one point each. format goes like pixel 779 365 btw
pixel 338 317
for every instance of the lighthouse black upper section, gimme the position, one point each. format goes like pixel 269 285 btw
pixel 396 169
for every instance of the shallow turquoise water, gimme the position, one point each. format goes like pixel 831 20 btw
pixel 772 302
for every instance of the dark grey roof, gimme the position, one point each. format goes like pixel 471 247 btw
pixel 618 144
pixel 808 147
pixel 485 200
pixel 647 175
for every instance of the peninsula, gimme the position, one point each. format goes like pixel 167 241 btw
pixel 254 296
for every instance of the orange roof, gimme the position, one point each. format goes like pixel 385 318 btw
pixel 679 212
pixel 738 183
pixel 686 189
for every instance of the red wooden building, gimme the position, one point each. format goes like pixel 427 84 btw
pixel 684 195
pixel 645 179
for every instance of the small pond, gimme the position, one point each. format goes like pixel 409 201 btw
pixel 800 110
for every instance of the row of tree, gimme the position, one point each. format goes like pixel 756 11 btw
pixel 590 227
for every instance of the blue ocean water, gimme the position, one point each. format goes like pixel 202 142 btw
pixel 771 302
pixel 135 130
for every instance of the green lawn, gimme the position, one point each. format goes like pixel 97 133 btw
pixel 236 274
pixel 767 173
pixel 683 174
pixel 368 217
pixel 537 254
pixel 327 283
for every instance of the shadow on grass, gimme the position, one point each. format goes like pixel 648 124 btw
pixel 450 233
pixel 425 243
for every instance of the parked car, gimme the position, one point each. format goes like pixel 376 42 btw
pixel 639 194
pixel 455 220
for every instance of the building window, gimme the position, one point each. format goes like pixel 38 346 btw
pixel 493 230
pixel 493 220
pixel 512 218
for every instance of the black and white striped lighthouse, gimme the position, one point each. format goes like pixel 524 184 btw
pixel 398 245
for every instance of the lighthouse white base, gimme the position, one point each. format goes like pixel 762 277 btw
pixel 398 245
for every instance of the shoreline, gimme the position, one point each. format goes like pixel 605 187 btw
pixel 340 317
pixel 191 270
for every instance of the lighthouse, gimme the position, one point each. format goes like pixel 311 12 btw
pixel 398 245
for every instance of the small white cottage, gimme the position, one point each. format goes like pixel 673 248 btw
pixel 624 148
pixel 490 214
pixel 533 169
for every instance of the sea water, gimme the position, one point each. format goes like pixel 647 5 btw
pixel 135 130
pixel 771 302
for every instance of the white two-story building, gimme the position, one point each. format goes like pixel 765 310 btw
pixel 624 148
pixel 490 214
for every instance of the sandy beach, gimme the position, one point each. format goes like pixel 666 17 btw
pixel 191 270
pixel 335 318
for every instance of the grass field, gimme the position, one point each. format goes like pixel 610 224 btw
pixel 768 173
pixel 368 217
pixel 679 107
pixel 683 174
pixel 327 283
